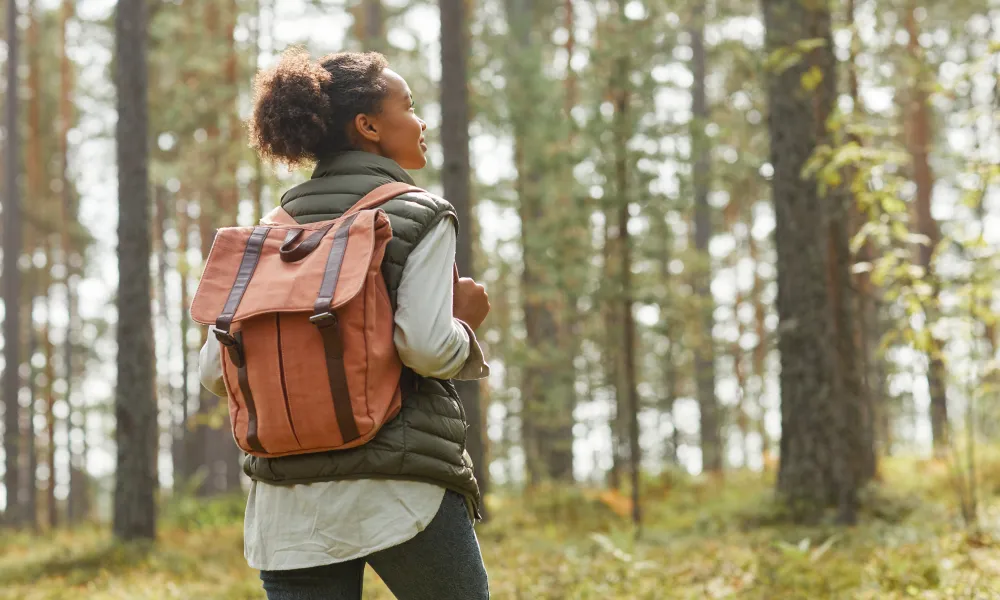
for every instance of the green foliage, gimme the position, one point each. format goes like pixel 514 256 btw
pixel 704 539
pixel 185 511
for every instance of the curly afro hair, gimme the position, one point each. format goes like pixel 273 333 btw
pixel 302 108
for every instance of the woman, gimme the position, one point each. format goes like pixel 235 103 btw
pixel 405 502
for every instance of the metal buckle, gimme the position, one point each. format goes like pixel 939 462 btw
pixel 224 337
pixel 323 319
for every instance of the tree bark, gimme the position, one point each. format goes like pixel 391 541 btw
pixel 70 254
pixel 622 106
pixel 51 508
pixel 843 300
pixel 135 399
pixel 29 486
pixel 164 391
pixel 12 275
pixel 375 34
pixel 181 459
pixel 711 441
pixel 456 180
pixel 918 142
pixel 759 350
pixel 547 393
pixel 816 470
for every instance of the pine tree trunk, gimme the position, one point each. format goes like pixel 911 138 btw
pixel 572 238
pixel 868 333
pixel 456 180
pixel 739 374
pixel 628 329
pixel 135 398
pixel 77 480
pixel 816 470
pixel 11 277
pixel 29 487
pixel 669 323
pixel 257 187
pixel 918 142
pixel 51 508
pixel 704 364
pixel 164 391
pixel 199 451
pixel 622 129
pixel 374 25
pixel 843 300
pixel 760 350
pixel 546 398
pixel 611 346
pixel 181 458
pixel 35 171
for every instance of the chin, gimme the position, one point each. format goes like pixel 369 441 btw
pixel 416 164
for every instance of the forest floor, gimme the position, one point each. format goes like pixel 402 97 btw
pixel 702 539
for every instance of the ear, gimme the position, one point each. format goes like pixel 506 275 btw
pixel 367 127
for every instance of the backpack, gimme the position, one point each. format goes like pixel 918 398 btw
pixel 306 326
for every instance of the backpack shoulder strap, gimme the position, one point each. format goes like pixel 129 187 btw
pixel 381 195
pixel 278 216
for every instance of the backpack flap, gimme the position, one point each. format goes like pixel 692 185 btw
pixel 246 274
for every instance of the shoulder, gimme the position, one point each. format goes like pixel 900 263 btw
pixel 424 201
pixel 413 214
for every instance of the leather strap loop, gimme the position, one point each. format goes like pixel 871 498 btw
pixel 294 254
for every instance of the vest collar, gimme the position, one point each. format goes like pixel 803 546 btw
pixel 357 162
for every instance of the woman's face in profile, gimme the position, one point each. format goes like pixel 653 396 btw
pixel 397 132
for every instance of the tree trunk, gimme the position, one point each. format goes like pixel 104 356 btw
pixel 623 127
pixel 375 33
pixel 257 186
pixel 164 391
pixel 669 324
pixel 704 364
pixel 135 399
pixel 571 236
pixel 848 385
pixel 918 142
pixel 816 470
pixel 611 347
pixel 181 458
pixel 29 486
pixel 51 508
pixel 625 271
pixel 456 180
pixel 11 276
pixel 77 479
pixel 760 350
pixel 547 393
pixel 868 332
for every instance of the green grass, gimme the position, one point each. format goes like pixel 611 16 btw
pixel 702 540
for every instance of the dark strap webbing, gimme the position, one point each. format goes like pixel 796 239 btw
pixel 329 327
pixel 241 368
pixel 247 266
pixel 234 342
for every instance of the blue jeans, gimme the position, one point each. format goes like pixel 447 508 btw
pixel 443 562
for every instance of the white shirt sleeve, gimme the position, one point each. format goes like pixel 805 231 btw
pixel 429 339
pixel 210 367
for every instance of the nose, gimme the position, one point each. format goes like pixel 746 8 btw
pixel 423 124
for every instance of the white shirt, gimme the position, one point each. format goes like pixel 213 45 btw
pixel 302 526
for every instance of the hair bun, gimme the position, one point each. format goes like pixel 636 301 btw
pixel 291 109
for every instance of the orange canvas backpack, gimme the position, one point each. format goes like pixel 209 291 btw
pixel 306 327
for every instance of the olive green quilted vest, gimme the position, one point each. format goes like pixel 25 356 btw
pixel 426 441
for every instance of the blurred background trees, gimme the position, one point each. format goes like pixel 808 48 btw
pixel 717 234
